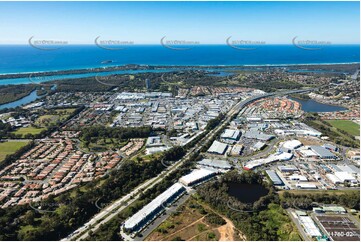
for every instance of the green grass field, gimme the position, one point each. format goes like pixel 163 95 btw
pixel 346 125
pixel 10 147
pixel 51 119
pixel 28 130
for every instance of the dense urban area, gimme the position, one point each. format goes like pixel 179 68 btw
pixel 192 153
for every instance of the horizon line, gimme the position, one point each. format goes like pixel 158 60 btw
pixel 159 44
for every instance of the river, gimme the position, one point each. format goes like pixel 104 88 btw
pixel 22 101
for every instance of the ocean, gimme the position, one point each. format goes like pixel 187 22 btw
pixel 24 58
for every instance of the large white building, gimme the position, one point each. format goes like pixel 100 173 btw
pixel 217 164
pixel 323 153
pixel 279 156
pixel 218 148
pixel 309 226
pixel 196 176
pixel 291 145
pixel 152 209
pixel 299 132
pixel 231 134
pixel 345 177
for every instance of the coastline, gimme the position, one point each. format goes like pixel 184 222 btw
pixel 125 67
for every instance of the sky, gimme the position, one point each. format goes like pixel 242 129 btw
pixel 204 22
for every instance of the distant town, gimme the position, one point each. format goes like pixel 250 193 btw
pixel 184 155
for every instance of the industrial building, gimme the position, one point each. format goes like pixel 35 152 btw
pixel 334 179
pixel 218 148
pixel 289 168
pixel 258 146
pixel 237 149
pixel 330 147
pixel 345 177
pixel 309 226
pixel 154 141
pixel 196 176
pixel 323 153
pixel 274 177
pixel 307 153
pixel 290 145
pixel 300 132
pixel 231 135
pixel 330 209
pixel 279 156
pixel 253 134
pixel 152 209
pixel 350 169
pixel 298 177
pixel 217 164
pixel 306 186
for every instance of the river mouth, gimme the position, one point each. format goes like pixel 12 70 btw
pixel 246 193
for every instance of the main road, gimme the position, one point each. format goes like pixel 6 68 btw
pixel 119 205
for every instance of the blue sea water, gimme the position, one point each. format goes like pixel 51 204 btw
pixel 24 58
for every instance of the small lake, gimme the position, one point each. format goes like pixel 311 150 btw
pixel 310 105
pixel 246 193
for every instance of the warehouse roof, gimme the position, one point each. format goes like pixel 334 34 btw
pixel 288 168
pixel 259 145
pixel 253 134
pixel 274 177
pixel 230 134
pixel 344 176
pixel 354 168
pixel 152 206
pixel 218 147
pixel 334 179
pixel 298 177
pixel 306 185
pixel 309 226
pixel 196 175
pixel 279 156
pixel 332 208
pixel 308 153
pixel 322 152
pixel 292 144
pixel 350 169
pixel 223 164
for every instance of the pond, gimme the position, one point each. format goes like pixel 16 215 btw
pixel 310 105
pixel 246 193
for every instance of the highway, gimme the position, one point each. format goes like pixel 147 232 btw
pixel 116 207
